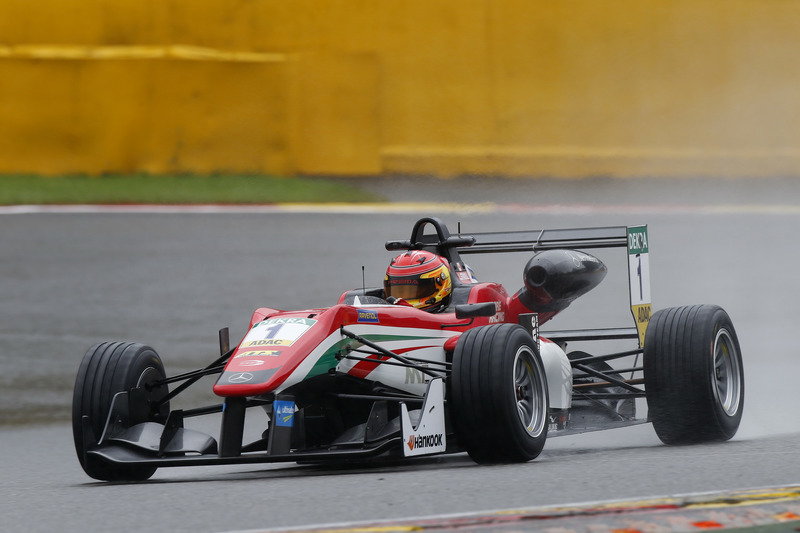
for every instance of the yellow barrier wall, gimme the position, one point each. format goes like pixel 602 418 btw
pixel 357 87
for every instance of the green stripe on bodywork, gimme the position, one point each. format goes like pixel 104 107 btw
pixel 328 359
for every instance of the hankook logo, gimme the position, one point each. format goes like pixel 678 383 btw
pixel 241 377
pixel 424 441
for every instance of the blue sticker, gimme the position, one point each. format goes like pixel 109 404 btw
pixel 368 317
pixel 284 413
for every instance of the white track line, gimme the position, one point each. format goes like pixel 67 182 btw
pixel 411 208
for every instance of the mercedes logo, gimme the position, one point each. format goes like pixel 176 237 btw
pixel 241 377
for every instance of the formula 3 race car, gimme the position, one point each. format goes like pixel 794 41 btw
pixel 371 378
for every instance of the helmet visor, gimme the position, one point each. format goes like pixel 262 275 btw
pixel 410 288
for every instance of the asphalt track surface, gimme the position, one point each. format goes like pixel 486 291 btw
pixel 171 279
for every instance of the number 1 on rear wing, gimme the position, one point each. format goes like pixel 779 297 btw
pixel 639 278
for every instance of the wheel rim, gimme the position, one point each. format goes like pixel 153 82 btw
pixel 530 391
pixel 727 377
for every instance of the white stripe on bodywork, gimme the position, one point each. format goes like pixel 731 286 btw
pixel 390 375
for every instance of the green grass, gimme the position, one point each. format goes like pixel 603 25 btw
pixel 183 189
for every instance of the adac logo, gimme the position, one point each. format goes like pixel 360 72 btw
pixel 424 441
pixel 269 342
pixel 368 317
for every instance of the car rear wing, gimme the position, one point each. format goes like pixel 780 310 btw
pixel 547 239
pixel 633 238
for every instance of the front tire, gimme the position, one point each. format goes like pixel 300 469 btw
pixel 693 373
pixel 106 369
pixel 498 395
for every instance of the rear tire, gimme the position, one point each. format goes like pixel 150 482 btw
pixel 107 369
pixel 693 373
pixel 498 395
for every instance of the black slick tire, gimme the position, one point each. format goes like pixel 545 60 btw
pixel 106 369
pixel 693 373
pixel 498 395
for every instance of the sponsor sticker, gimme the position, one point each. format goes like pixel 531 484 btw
pixel 414 376
pixel 639 278
pixel 530 321
pixel 263 342
pixel 284 413
pixel 277 332
pixel 558 419
pixel 416 442
pixel 365 316
pixel 637 240
pixel 500 316
pixel 251 362
pixel 429 434
pixel 258 353
pixel 465 274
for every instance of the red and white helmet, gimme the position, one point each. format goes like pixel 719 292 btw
pixel 419 277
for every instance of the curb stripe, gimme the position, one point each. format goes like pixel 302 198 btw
pixel 747 508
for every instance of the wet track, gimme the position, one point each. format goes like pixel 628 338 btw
pixel 171 280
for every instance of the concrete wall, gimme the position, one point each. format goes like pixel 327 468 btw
pixel 357 87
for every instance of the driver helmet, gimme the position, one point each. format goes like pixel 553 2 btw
pixel 419 277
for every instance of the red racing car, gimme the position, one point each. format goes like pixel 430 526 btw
pixel 432 362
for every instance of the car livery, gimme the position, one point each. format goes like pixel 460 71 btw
pixel 368 378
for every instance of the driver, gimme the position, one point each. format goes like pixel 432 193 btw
pixel 421 279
